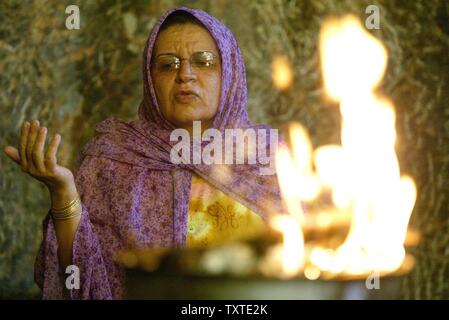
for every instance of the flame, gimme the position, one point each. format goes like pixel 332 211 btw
pixel 282 74
pixel 353 61
pixel 292 252
pixel 363 172
pixel 298 182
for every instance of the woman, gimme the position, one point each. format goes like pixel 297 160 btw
pixel 127 193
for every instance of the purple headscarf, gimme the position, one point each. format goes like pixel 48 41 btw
pixel 134 196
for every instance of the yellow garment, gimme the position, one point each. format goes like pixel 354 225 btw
pixel 215 218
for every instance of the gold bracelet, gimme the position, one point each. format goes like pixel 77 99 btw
pixel 66 206
pixel 69 211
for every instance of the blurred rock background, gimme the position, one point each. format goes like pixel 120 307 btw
pixel 72 79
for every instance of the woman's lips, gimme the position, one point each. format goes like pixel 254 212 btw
pixel 185 97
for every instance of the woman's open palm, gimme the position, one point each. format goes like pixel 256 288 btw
pixel 32 159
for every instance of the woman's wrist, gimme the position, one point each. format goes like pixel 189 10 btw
pixel 65 202
pixel 69 211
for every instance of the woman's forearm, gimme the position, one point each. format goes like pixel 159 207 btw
pixel 65 229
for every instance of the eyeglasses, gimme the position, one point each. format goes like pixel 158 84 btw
pixel 199 60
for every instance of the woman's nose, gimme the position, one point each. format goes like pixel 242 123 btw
pixel 185 72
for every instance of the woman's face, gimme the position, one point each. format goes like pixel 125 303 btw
pixel 177 107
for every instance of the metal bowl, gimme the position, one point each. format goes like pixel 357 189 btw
pixel 156 285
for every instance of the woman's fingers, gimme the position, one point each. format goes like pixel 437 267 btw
pixel 38 149
pixel 30 154
pixel 30 143
pixel 23 144
pixel 50 157
pixel 12 153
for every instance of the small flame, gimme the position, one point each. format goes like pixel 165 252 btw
pixel 292 253
pixel 298 184
pixel 282 74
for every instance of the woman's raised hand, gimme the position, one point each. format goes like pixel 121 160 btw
pixel 32 159
pixel 59 180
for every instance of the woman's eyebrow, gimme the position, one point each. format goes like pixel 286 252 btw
pixel 174 54
pixel 166 53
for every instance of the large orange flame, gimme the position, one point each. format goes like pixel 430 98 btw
pixel 363 172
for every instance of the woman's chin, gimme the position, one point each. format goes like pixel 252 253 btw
pixel 183 115
pixel 186 113
pixel 186 122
